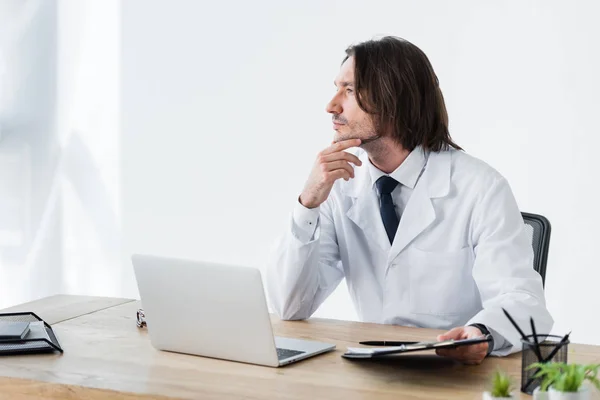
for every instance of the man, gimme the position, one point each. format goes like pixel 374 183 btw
pixel 424 234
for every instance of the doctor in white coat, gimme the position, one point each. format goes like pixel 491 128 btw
pixel 424 234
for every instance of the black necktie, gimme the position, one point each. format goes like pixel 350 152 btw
pixel 385 186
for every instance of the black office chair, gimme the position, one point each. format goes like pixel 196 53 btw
pixel 538 228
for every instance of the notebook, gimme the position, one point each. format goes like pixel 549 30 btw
pixel 13 330
pixel 370 352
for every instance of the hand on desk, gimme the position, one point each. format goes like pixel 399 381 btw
pixel 473 354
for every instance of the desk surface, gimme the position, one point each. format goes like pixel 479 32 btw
pixel 107 356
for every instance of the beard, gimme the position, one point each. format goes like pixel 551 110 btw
pixel 364 130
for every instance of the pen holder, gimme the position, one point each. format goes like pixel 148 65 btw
pixel 547 345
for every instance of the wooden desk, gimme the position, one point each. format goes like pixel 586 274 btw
pixel 107 356
pixel 59 308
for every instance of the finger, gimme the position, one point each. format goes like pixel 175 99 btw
pixel 342 145
pixel 442 353
pixel 332 166
pixel 455 333
pixel 463 352
pixel 341 155
pixel 476 348
pixel 466 351
pixel 472 355
pixel 481 348
pixel 453 353
pixel 332 176
pixel 475 358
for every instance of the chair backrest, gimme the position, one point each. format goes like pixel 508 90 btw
pixel 538 228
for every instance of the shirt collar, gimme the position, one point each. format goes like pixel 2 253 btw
pixel 407 173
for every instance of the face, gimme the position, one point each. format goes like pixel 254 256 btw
pixel 349 121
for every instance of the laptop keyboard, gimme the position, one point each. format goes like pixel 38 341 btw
pixel 282 354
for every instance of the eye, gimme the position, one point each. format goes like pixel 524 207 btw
pixel 349 91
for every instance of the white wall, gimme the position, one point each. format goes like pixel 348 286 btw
pixel 223 113
pixel 59 168
pixel 88 112
pixel 28 151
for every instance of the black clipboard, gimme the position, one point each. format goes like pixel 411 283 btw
pixel 370 352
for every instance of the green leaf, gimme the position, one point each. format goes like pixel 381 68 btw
pixel 566 377
pixel 595 381
pixel 501 384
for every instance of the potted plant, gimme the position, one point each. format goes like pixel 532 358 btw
pixel 566 381
pixel 501 387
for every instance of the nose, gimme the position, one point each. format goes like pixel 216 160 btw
pixel 334 107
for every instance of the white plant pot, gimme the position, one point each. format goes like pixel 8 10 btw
pixel 539 395
pixel 582 394
pixel 488 396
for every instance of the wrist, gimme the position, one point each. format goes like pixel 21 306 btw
pixel 485 331
pixel 307 202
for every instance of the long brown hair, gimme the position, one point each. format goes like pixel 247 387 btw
pixel 396 84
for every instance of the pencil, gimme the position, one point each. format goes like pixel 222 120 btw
pixel 512 321
pixel 536 347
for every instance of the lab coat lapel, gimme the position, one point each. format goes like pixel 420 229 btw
pixel 419 213
pixel 364 211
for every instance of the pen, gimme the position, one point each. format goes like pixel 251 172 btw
pixel 560 344
pixel 385 343
pixel 536 348
pixel 512 321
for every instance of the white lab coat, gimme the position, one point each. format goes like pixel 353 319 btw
pixel 460 254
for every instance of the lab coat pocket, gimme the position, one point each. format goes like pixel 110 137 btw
pixel 440 282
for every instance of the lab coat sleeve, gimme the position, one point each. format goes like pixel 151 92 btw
pixel 304 222
pixel 305 267
pixel 503 269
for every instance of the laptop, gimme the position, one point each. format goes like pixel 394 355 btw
pixel 213 310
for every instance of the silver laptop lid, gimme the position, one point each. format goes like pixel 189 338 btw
pixel 208 309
